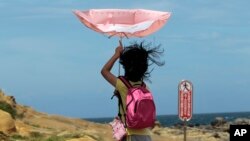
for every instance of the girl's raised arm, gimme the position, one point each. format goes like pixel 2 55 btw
pixel 106 70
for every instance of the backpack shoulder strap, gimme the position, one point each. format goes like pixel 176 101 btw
pixel 143 84
pixel 120 104
pixel 128 85
pixel 125 81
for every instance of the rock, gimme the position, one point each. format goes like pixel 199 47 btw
pixel 242 121
pixel 157 124
pixel 216 135
pixel 7 123
pixel 8 99
pixel 219 121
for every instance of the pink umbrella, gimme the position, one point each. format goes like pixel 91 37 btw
pixel 123 22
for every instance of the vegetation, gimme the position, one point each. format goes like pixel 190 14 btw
pixel 8 108
pixel 18 137
pixel 55 138
pixel 36 136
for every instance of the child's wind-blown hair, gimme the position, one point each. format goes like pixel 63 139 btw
pixel 136 58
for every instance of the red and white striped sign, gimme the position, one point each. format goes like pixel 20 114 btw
pixel 185 103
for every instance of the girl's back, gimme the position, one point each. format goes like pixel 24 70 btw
pixel 135 60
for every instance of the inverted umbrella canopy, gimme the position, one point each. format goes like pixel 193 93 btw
pixel 123 22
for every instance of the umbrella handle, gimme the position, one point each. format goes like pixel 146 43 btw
pixel 119 67
pixel 120 42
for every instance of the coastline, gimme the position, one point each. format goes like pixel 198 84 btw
pixel 23 123
pixel 172 120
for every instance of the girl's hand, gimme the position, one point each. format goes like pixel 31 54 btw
pixel 119 49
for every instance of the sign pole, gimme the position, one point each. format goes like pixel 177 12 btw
pixel 185 130
pixel 185 103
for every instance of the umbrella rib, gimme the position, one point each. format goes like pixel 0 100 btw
pixel 118 33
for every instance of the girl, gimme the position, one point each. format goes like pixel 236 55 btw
pixel 135 61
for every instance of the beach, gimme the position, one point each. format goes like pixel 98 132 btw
pixel 23 123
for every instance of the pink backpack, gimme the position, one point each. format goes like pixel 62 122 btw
pixel 140 107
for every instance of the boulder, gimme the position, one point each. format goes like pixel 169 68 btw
pixel 242 121
pixel 219 121
pixel 8 99
pixel 7 123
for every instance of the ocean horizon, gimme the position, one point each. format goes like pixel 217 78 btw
pixel 197 119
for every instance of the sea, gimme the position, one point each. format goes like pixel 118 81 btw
pixel 197 119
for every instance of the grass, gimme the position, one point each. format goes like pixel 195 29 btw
pixel 18 137
pixel 8 108
pixel 36 136
pixel 55 138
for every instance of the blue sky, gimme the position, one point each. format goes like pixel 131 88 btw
pixel 51 62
